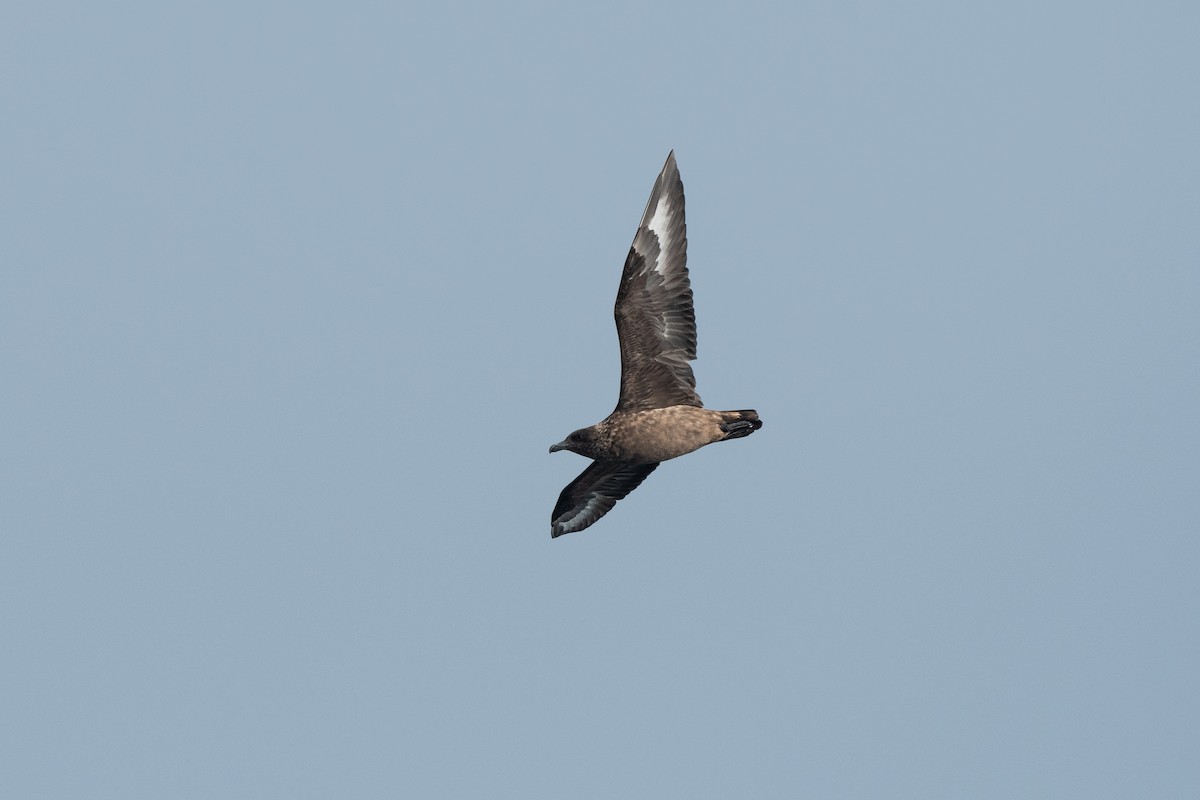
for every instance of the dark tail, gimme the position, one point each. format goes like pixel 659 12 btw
pixel 737 424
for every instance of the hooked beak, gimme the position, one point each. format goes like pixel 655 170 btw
pixel 554 448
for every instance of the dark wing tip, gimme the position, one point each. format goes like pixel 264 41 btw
pixel 670 168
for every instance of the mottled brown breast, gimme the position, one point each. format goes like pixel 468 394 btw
pixel 660 434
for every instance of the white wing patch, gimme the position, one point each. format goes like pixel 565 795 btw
pixel 591 505
pixel 658 226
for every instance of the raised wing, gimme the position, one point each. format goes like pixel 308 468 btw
pixel 655 319
pixel 590 496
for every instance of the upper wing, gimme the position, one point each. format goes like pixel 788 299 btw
pixel 590 496
pixel 655 320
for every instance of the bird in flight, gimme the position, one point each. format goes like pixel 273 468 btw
pixel 659 415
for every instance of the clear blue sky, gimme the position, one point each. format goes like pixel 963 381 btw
pixel 293 301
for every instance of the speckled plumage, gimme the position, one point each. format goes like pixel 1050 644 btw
pixel 659 416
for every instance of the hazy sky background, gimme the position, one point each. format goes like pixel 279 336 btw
pixel 294 300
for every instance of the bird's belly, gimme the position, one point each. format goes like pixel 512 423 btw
pixel 665 433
